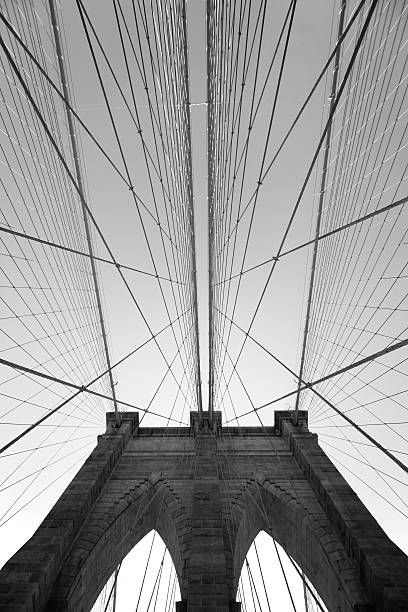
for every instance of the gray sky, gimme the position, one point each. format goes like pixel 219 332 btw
pixel 367 169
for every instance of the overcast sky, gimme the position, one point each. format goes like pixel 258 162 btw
pixel 280 322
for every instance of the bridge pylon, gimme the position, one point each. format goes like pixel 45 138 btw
pixel 208 490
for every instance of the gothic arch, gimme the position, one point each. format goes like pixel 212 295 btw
pixel 208 518
pixel 114 527
pixel 305 534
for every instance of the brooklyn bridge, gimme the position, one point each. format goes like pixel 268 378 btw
pixel 203 298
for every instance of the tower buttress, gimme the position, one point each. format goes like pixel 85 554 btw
pixel 208 490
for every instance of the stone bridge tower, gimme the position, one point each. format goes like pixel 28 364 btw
pixel 208 491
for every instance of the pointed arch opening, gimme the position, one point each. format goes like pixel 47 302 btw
pixel 274 511
pixel 271 580
pixel 145 581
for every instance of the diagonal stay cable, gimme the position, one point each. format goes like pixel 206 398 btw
pixel 323 187
pixel 358 442
pixel 299 114
pixel 258 104
pixel 214 138
pixel 85 205
pixel 36 448
pixel 367 464
pixel 43 468
pixel 315 156
pixel 74 113
pixel 79 177
pixel 80 389
pixel 332 232
pixel 38 493
pixel 271 122
pixel 351 366
pixel 311 385
pixel 167 372
pixel 85 18
pixel 83 254
pixel 136 123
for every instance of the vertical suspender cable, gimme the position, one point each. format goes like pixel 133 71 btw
pixel 191 218
pixel 321 200
pixel 75 154
pixel 305 592
pixel 115 588
pixel 210 217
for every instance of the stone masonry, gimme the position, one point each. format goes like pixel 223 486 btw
pixel 208 490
